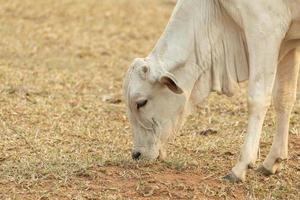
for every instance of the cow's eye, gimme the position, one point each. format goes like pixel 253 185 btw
pixel 141 103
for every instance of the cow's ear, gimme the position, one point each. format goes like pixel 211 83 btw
pixel 169 81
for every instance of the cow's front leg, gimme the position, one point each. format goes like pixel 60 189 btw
pixel 263 55
pixel 257 107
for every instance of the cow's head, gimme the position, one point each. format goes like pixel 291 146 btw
pixel 156 106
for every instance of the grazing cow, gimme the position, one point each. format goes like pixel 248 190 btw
pixel 212 45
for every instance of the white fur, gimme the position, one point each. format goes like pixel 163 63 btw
pixel 212 45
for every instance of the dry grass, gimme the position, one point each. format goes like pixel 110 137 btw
pixel 60 140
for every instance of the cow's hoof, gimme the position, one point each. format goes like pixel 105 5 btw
pixel 262 170
pixel 251 166
pixel 232 178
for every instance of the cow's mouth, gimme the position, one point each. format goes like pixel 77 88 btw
pixel 142 155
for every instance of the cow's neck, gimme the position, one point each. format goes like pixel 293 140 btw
pixel 204 49
pixel 176 44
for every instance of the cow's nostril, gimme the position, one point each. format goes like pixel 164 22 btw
pixel 136 155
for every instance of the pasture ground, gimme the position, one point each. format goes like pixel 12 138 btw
pixel 63 129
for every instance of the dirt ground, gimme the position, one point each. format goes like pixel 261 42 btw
pixel 63 128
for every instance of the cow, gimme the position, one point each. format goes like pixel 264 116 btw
pixel 212 46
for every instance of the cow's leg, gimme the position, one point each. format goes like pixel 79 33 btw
pixel 284 98
pixel 263 56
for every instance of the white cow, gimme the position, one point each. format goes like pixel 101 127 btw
pixel 212 45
